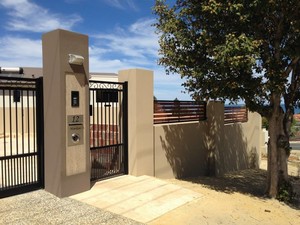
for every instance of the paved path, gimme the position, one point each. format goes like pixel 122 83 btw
pixel 234 199
pixel 141 198
pixel 125 200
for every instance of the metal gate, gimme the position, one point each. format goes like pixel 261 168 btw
pixel 21 135
pixel 108 129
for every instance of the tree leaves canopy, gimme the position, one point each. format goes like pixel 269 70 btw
pixel 233 50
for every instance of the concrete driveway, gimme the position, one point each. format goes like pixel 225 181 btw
pixel 125 200
pixel 141 198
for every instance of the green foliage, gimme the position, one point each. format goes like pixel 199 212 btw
pixel 286 193
pixel 232 50
pixel 237 50
pixel 294 128
pixel 265 123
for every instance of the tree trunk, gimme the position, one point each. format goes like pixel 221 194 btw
pixel 285 141
pixel 283 169
pixel 283 145
pixel 277 154
pixel 272 188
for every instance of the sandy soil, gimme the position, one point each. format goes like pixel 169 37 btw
pixel 236 198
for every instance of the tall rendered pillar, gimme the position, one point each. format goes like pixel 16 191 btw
pixel 140 121
pixel 66 118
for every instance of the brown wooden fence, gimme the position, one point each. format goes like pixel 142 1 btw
pixel 235 114
pixel 178 111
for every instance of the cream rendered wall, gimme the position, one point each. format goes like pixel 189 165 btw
pixel 110 77
pixel 207 147
pixel 180 150
pixel 264 141
pixel 241 145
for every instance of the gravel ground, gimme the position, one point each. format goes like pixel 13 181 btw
pixel 41 207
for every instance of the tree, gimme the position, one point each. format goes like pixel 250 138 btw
pixel 238 50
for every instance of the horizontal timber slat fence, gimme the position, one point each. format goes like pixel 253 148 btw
pixel 178 111
pixel 235 114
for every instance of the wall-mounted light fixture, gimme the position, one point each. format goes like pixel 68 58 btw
pixel 76 59
pixel 11 70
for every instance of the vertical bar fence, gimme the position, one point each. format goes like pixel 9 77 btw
pixel 108 129
pixel 21 135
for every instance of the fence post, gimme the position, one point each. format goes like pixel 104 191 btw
pixel 140 121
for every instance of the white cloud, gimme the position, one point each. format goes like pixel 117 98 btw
pixel 136 43
pixel 98 64
pixel 166 87
pixel 122 4
pixel 135 47
pixel 17 51
pixel 132 47
pixel 24 15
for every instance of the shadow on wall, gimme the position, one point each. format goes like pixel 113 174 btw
pixel 231 147
pixel 184 149
pixel 232 154
pixel 213 136
pixel 207 148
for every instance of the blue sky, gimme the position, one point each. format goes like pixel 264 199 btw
pixel 120 35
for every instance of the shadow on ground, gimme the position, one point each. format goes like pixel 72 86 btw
pixel 249 182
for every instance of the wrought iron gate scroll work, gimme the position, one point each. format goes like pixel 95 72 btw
pixel 108 129
pixel 21 135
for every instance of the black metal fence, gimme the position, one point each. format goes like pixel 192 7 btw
pixel 108 129
pixel 178 111
pixel 21 135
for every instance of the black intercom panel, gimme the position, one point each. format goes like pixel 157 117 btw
pixel 75 98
